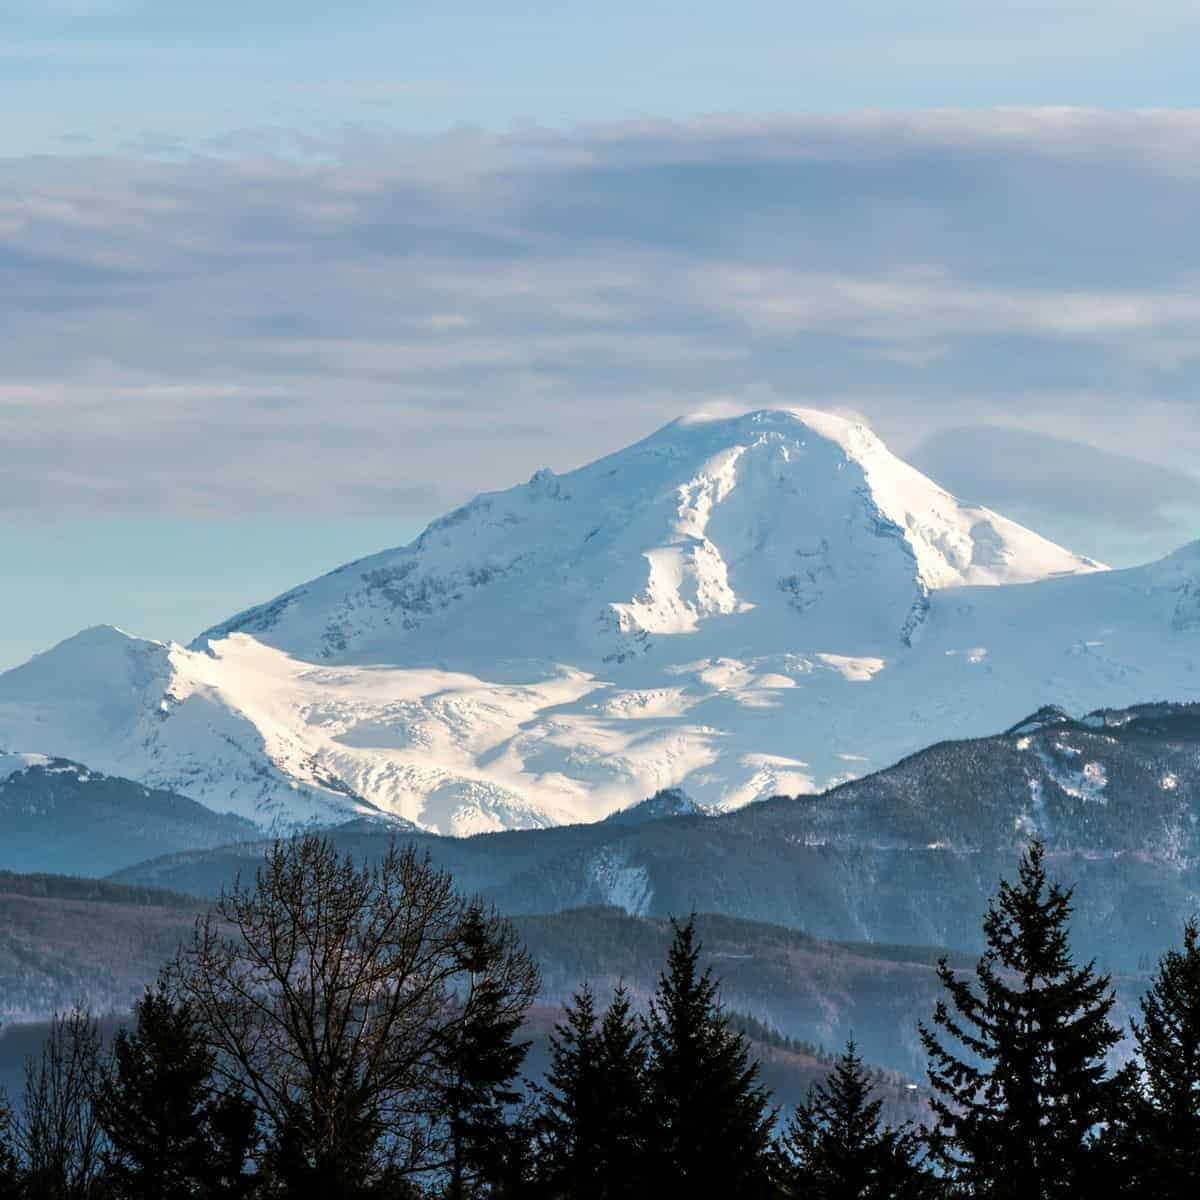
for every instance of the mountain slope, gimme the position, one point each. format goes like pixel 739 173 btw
pixel 776 514
pixel 745 607
pixel 906 855
pixel 61 817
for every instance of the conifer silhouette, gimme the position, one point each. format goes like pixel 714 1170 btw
pixel 1166 1117
pixel 709 1118
pixel 171 1133
pixel 1018 1106
pixel 836 1146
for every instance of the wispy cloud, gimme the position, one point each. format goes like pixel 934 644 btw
pixel 391 323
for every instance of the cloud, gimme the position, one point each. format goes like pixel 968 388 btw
pixel 386 324
pixel 1067 489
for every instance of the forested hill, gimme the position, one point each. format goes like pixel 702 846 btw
pixel 57 815
pixel 68 940
pixel 907 855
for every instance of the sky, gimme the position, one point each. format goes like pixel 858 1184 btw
pixel 281 283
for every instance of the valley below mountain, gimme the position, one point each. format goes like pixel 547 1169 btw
pixel 798 997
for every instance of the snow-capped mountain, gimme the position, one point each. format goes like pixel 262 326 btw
pixel 741 607
pixel 769 518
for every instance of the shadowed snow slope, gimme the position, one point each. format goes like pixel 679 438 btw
pixel 746 606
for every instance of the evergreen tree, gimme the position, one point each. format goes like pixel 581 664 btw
pixel 708 1122
pixel 569 1116
pixel 837 1148
pixel 1165 1121
pixel 171 1134
pixel 1017 1113
pixel 622 1088
pixel 592 1109
pixel 482 1056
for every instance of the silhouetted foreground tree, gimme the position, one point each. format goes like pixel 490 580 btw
pixel 594 1124
pixel 1019 1106
pixel 479 1056
pixel 660 1107
pixel 171 1134
pixel 1162 1134
pixel 836 1146
pixel 368 1011
pixel 9 1167
pixel 58 1133
pixel 713 1119
pixel 342 1031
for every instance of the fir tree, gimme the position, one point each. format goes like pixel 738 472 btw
pixel 1017 1113
pixel 837 1148
pixel 171 1134
pixel 709 1121
pixel 569 1117
pixel 482 1056
pixel 621 1089
pixel 592 1107
pixel 1165 1122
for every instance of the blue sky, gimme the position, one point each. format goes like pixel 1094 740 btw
pixel 280 283
pixel 157 74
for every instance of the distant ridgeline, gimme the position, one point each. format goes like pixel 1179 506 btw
pixel 904 856
pixel 61 817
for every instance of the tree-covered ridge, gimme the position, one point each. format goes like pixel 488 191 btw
pixel 92 891
pixel 60 816
pixel 103 943
pixel 907 854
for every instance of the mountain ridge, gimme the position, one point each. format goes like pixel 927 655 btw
pixel 669 506
pixel 909 854
pixel 61 816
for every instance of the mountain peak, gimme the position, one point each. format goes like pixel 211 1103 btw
pixel 785 514
pixel 665 803
pixel 851 433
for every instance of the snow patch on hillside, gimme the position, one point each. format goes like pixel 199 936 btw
pixel 15 764
pixel 620 883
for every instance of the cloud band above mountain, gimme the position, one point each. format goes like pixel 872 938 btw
pixel 390 324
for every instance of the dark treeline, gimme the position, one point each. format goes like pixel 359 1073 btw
pixel 350 1031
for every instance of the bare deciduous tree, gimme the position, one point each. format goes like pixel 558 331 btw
pixel 329 991
pixel 59 1135
pixel 8 1148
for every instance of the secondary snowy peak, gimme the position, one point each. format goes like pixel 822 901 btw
pixel 158 713
pixel 773 517
pixel 18 764
pixel 244 728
